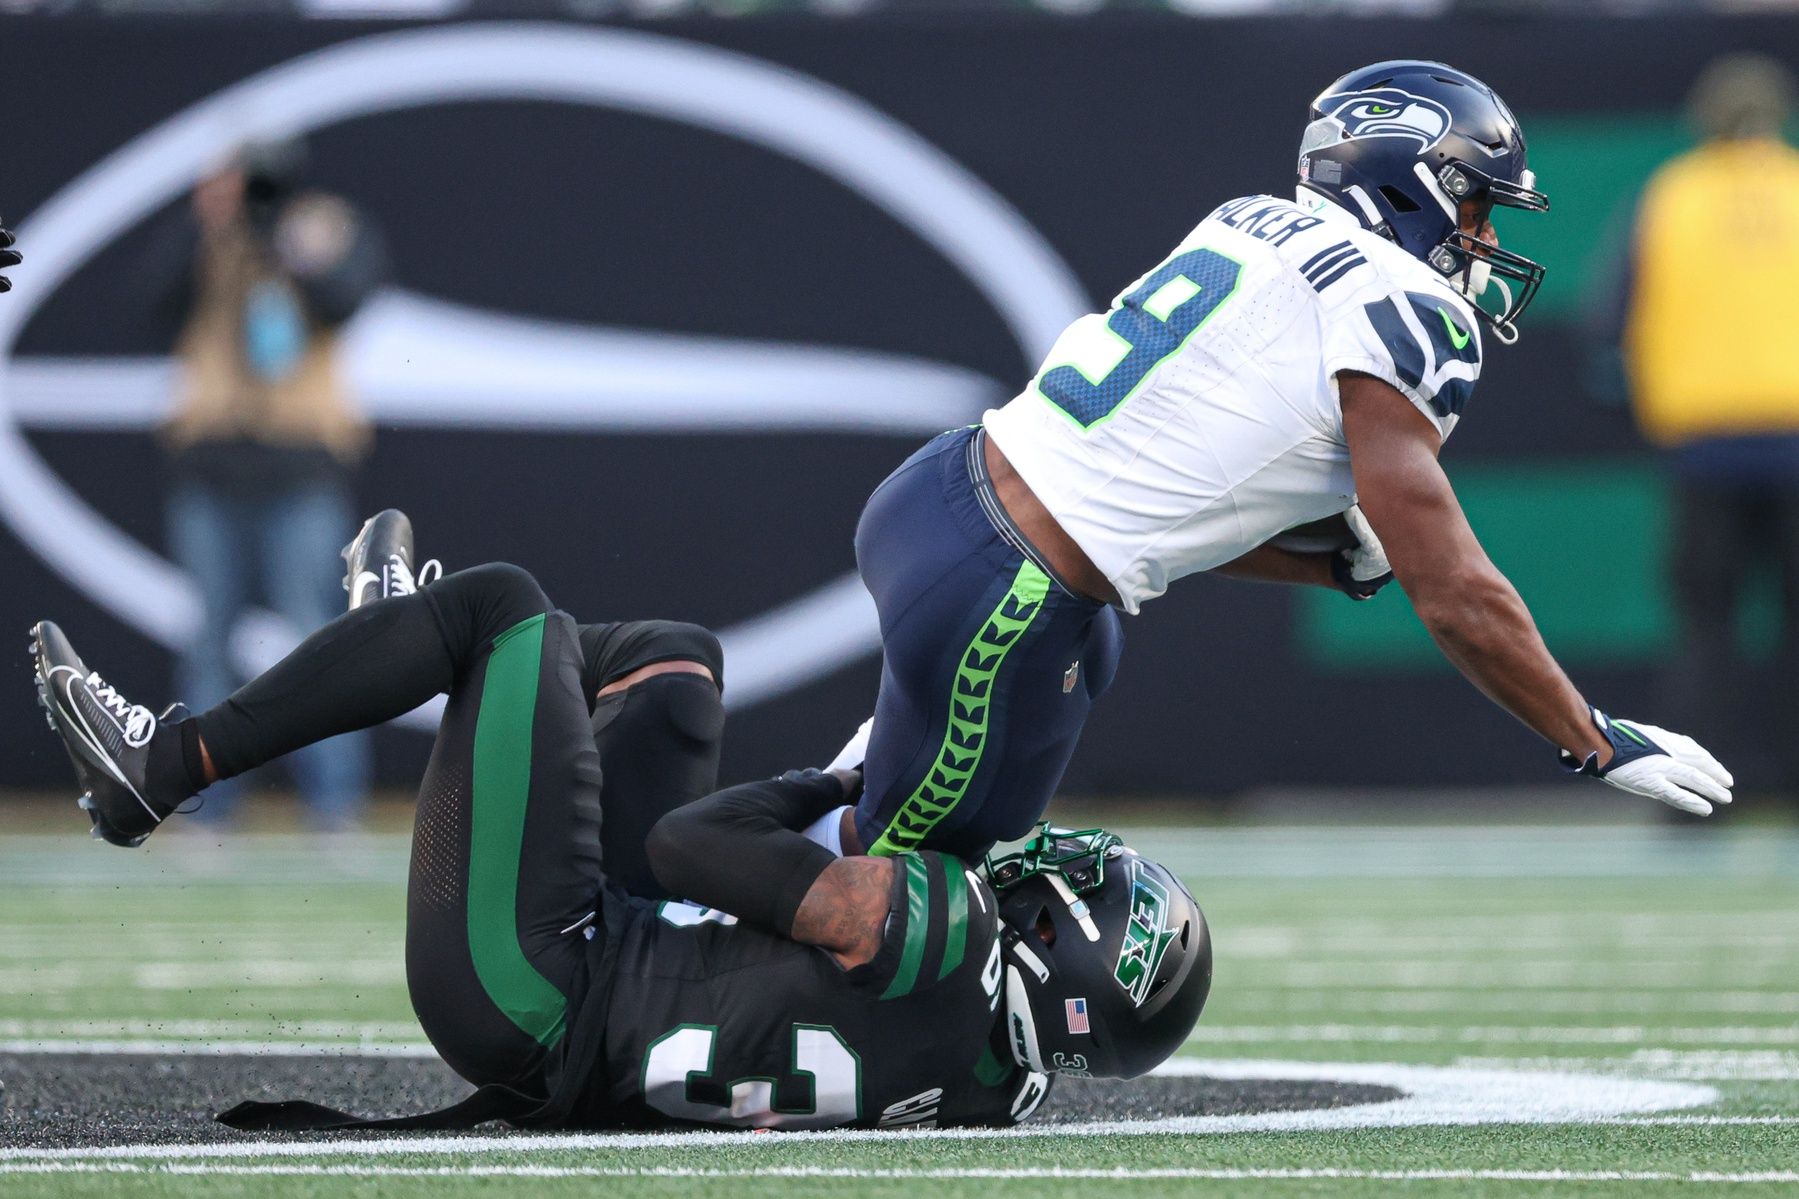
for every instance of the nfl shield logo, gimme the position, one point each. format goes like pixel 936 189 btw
pixel 1076 1011
pixel 1070 675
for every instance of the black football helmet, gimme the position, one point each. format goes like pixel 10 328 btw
pixel 1401 145
pixel 1108 960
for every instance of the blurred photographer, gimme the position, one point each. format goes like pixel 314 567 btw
pixel 256 280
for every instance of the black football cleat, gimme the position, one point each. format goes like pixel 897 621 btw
pixel 106 735
pixel 379 562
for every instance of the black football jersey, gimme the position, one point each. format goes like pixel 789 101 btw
pixel 712 1022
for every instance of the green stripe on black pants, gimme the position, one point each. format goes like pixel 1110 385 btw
pixel 507 850
pixel 506 853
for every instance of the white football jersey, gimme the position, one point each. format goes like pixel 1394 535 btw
pixel 1198 417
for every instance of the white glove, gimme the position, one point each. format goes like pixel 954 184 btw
pixel 1367 561
pixel 851 755
pixel 1362 569
pixel 1658 764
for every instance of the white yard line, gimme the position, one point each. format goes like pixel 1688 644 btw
pixel 1660 974
pixel 1701 1121
pixel 1441 1034
pixel 1591 1001
pixel 994 1173
pixel 1711 1065
pixel 1600 938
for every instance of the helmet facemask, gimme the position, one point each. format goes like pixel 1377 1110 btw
pixel 1107 957
pixel 1475 266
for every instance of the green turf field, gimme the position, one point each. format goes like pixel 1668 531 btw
pixel 1597 1010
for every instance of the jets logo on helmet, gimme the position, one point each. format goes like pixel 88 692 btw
pixel 1388 112
pixel 1146 937
pixel 1108 959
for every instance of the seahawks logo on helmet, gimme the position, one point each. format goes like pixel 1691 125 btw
pixel 1388 112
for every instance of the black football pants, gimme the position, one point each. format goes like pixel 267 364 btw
pixel 532 790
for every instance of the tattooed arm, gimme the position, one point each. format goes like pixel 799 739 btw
pixel 739 851
pixel 845 911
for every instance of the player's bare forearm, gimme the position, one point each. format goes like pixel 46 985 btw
pixel 1487 633
pixel 1271 564
pixel 1471 610
pixel 845 911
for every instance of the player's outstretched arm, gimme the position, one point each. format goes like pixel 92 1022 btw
pixel 739 851
pixel 1477 617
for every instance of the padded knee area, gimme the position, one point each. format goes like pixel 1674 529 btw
pixel 676 641
pixel 659 744
pixel 612 651
pixel 496 584
pixel 476 605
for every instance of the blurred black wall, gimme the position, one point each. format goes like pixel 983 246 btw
pixel 1112 136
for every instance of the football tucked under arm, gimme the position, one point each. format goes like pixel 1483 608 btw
pixel 740 851
pixel 1338 551
pixel 1328 536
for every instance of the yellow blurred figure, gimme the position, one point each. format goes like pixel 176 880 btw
pixel 1707 337
pixel 1711 306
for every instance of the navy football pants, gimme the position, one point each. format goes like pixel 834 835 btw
pixel 988 671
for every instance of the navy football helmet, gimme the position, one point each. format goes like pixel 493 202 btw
pixel 1402 145
pixel 1108 960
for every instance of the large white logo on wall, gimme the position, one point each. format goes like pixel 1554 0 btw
pixel 557 382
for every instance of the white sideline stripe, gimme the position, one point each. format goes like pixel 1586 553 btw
pixel 1430 1095
pixel 1120 1173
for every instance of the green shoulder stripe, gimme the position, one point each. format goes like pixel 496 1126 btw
pixel 918 927
pixel 956 941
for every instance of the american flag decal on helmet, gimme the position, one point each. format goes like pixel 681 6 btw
pixel 1076 1011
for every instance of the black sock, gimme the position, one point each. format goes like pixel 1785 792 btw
pixel 191 755
pixel 166 773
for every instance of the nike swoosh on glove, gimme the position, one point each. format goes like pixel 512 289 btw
pixel 1658 764
pixel 1363 570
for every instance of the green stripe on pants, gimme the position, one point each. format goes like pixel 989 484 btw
pixel 970 708
pixel 502 788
